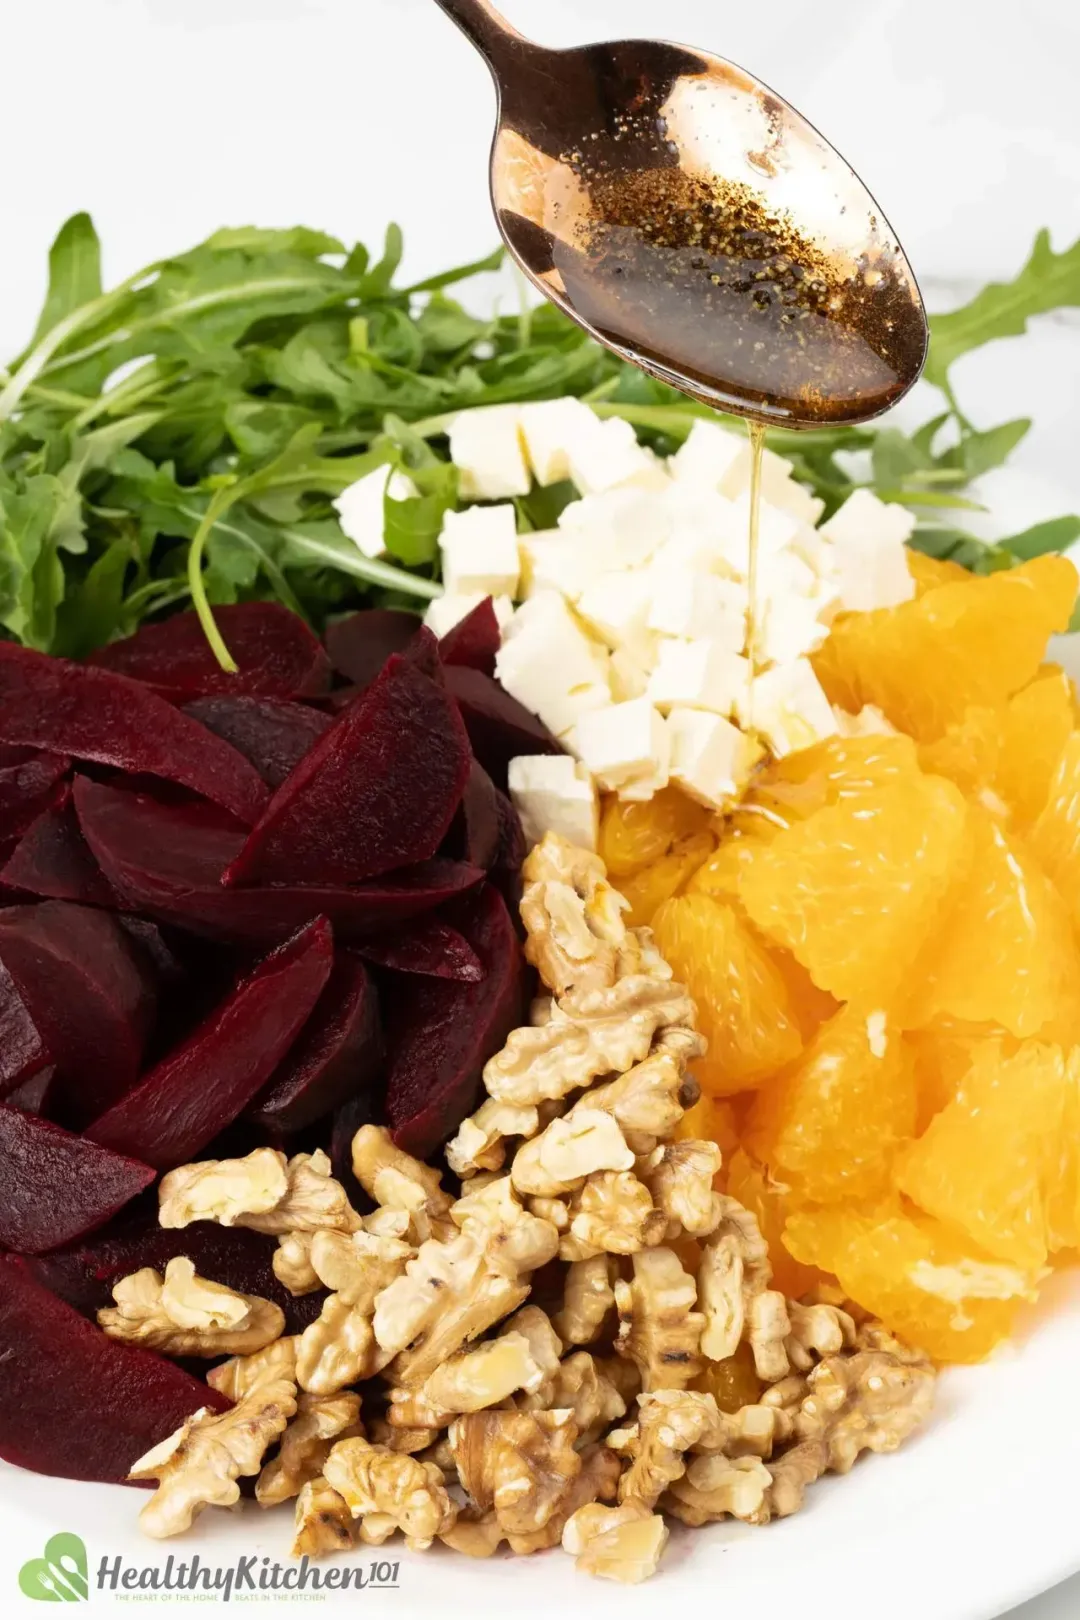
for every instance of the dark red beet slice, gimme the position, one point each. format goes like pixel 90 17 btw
pixel 77 1404
pixel 440 1034
pixel 33 1096
pixel 277 654
pixel 475 833
pixel 167 860
pixel 210 1078
pixel 97 715
pixel 26 789
pixel 55 1187
pixel 22 1050
pixel 474 641
pixel 429 947
pixel 377 792
pixel 53 860
pixel 512 850
pixel 90 993
pixel 360 645
pixel 84 1273
pixel 499 727
pixel 338 1053
pixel 274 736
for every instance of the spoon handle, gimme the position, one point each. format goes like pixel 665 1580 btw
pixel 483 25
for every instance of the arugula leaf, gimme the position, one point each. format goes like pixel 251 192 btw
pixel 1054 535
pixel 1047 281
pixel 74 272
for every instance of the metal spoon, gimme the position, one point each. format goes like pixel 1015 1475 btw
pixel 692 221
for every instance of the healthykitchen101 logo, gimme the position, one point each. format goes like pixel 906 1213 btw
pixel 62 1575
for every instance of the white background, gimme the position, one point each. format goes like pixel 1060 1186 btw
pixel 169 118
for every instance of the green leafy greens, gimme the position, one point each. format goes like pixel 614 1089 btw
pixel 179 439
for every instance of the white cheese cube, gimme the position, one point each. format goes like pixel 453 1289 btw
pixel 629 678
pixel 447 611
pixel 644 788
pixel 549 430
pixel 361 507
pixel 699 675
pixel 790 710
pixel 624 526
pixel 709 455
pixel 698 607
pixel 554 793
pixel 623 743
pixel 480 551
pixel 556 561
pixel 711 760
pixel 791 496
pixel 616 608
pixel 485 444
pixel 551 666
pixel 868 539
pixel 607 456
pixel 788 627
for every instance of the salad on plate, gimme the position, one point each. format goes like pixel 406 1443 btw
pixel 506 1038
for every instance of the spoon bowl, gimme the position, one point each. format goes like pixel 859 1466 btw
pixel 693 222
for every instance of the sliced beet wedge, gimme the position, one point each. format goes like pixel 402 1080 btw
pixel 33 1096
pixel 166 861
pixel 360 645
pixel 475 641
pixel 55 1187
pixel 52 859
pixel 90 993
pixel 22 1050
pixel 84 1273
pixel 474 835
pixel 272 735
pixel 338 1053
pixel 428 947
pixel 77 1404
pixel 440 1034
pixel 209 1079
pixel 499 727
pixel 26 789
pixel 276 652
pixel 94 714
pixel 376 793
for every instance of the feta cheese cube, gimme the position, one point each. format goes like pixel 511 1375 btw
pixel 790 710
pixel 549 430
pixel 608 455
pixel 624 526
pixel 480 551
pixel 868 539
pixel 551 666
pixel 361 508
pixel 485 444
pixel 699 675
pixel 788 627
pixel 708 456
pixel 629 679
pixel 446 611
pixel 554 793
pixel 552 560
pixel 698 607
pixel 623 743
pixel 711 760
pixel 616 608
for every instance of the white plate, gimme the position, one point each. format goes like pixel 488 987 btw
pixel 977 1514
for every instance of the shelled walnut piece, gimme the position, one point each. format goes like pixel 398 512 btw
pixel 584 1426
pixel 182 1314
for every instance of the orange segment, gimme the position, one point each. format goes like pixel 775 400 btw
pixel 1063 1203
pixel 648 889
pixel 1036 725
pixel 930 1286
pixel 1055 837
pixel 771 1204
pixel 854 890
pixel 632 835
pixel 943 1052
pixel 930 572
pixel 1005 953
pixel 972 643
pixel 742 1000
pixel 987 1162
pixel 831 1124
pixel 831 771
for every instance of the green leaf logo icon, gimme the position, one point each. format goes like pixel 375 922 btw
pixel 60 1575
